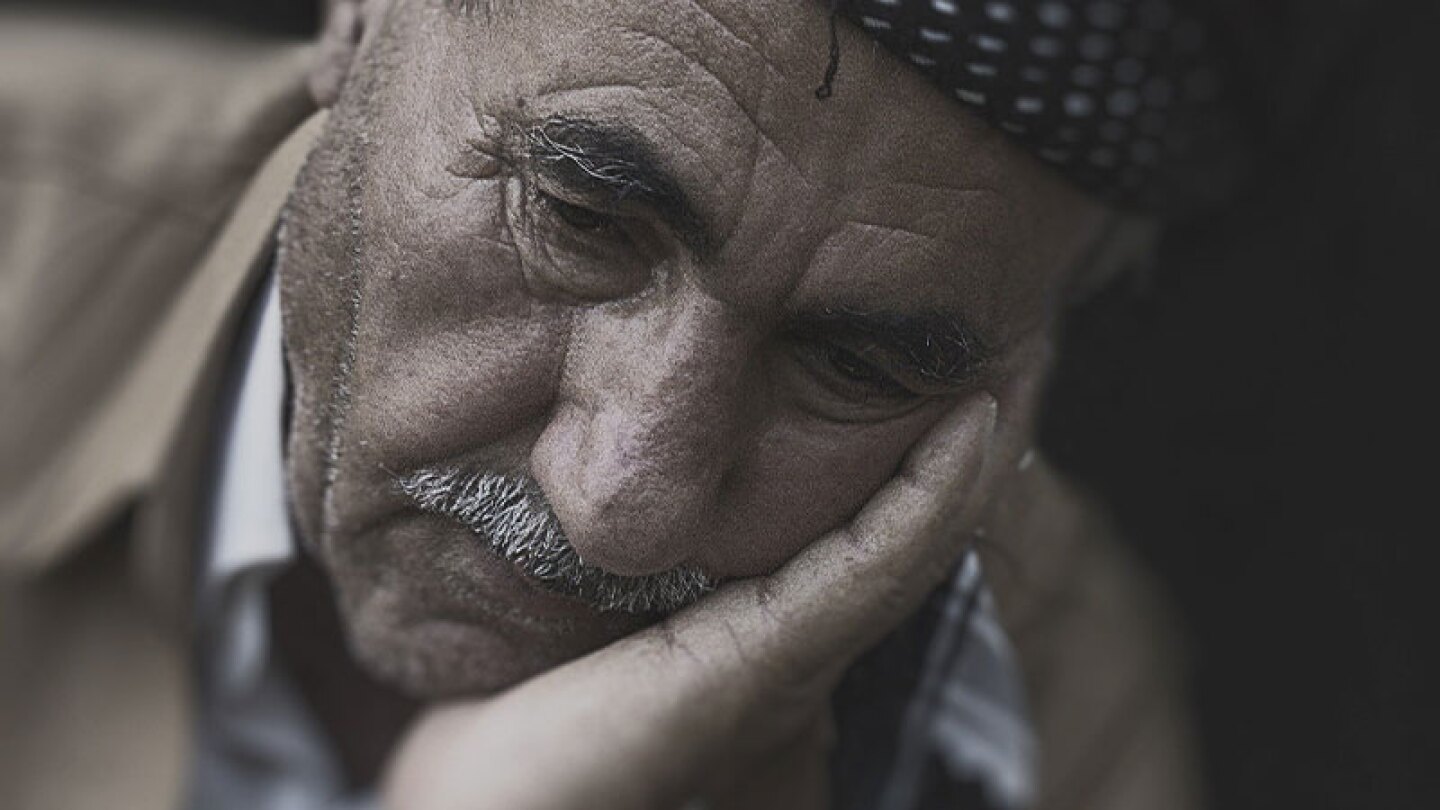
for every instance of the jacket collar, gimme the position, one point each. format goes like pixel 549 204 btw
pixel 148 443
pixel 175 510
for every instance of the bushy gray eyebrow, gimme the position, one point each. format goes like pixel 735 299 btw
pixel 616 163
pixel 938 347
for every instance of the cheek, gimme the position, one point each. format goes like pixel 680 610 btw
pixel 451 354
pixel 803 478
pixel 450 351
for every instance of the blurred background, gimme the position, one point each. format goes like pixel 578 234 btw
pixel 1250 409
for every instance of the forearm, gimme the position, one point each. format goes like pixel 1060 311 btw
pixel 593 734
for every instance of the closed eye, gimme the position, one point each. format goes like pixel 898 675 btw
pixel 926 352
pixel 579 217
pixel 583 252
pixel 852 368
pixel 853 375
pixel 614 162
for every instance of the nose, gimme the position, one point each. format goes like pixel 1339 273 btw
pixel 645 428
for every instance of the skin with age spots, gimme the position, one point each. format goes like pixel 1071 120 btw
pixel 622 250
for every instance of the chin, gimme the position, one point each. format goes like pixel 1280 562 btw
pixel 439 659
pixel 434 614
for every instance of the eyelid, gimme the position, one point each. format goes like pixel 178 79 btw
pixel 645 229
pixel 821 395
pixel 599 245
pixel 569 264
pixel 557 206
pixel 624 229
pixel 823 354
pixel 896 360
pixel 592 199
pixel 661 234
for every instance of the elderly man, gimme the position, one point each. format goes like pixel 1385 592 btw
pixel 643 419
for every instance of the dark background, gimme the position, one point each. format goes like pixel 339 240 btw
pixel 1251 412
pixel 1250 409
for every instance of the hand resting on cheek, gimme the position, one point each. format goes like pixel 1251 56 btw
pixel 681 708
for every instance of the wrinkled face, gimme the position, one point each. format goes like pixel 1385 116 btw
pixel 591 305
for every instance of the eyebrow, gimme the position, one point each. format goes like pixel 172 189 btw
pixel 613 159
pixel 940 348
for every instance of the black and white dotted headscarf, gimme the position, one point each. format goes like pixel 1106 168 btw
pixel 1127 98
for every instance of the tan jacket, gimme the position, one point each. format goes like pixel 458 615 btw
pixel 140 179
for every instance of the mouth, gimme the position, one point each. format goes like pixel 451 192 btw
pixel 510 517
pixel 453 575
pixel 522 592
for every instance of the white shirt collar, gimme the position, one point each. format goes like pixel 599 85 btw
pixel 250 524
pixel 257 747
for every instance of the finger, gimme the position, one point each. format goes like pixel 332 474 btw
pixel 934 482
pixel 901 539
pixel 838 595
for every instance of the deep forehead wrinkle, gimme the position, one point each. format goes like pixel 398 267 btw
pixel 469 8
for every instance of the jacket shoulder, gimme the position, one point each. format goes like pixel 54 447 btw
pixel 122 152
pixel 1103 662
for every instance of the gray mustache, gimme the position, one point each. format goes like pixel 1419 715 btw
pixel 511 515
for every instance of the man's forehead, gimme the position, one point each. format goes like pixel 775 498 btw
pixel 886 171
pixel 734 71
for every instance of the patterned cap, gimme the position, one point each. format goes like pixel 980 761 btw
pixel 1127 98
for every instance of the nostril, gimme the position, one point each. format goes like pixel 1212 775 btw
pixel 633 456
pixel 620 506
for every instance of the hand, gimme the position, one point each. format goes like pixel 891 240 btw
pixel 672 711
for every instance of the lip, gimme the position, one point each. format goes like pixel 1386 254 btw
pixel 507 574
pixel 386 511
pixel 497 591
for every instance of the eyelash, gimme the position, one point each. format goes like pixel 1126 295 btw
pixel 853 369
pixel 578 251
pixel 578 217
